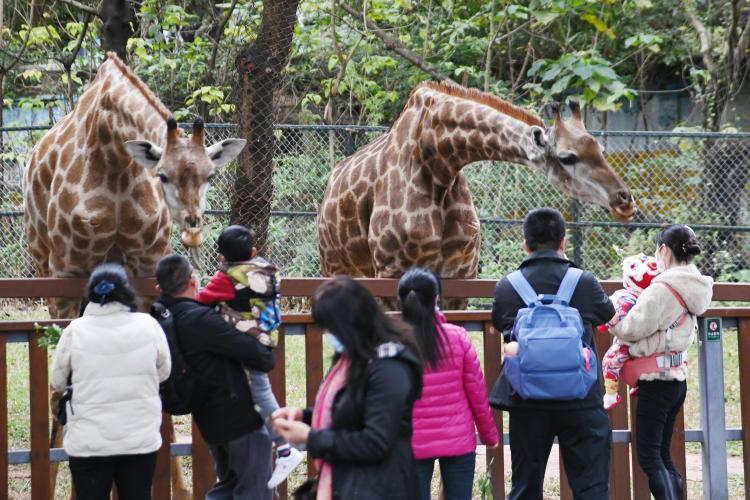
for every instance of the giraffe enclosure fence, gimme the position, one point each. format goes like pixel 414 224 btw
pixel 696 178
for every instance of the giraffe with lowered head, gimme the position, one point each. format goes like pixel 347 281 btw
pixel 108 180
pixel 402 200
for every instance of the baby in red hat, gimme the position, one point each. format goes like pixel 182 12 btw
pixel 637 273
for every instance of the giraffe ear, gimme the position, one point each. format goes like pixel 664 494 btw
pixel 538 134
pixel 145 153
pixel 225 151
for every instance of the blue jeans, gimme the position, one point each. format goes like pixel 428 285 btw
pixel 260 388
pixel 457 473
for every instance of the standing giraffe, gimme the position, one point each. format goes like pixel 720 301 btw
pixel 105 183
pixel 402 200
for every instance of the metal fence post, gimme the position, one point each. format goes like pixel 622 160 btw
pixel 577 232
pixel 714 446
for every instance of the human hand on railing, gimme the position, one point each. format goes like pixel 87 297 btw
pixel 288 413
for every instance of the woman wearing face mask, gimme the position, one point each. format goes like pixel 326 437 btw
pixel 659 329
pixel 454 397
pixel 359 430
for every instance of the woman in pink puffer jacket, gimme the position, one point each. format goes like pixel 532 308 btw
pixel 454 396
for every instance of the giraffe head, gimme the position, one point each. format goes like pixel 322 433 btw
pixel 185 167
pixel 575 164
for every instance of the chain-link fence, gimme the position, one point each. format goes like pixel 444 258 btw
pixel 698 179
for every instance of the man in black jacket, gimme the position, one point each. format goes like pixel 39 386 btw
pixel 581 426
pixel 216 352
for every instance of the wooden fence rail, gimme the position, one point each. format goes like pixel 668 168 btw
pixel 627 479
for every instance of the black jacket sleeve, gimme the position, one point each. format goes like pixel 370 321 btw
pixel 601 307
pixel 388 387
pixel 505 306
pixel 225 340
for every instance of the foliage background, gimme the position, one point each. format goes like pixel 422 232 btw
pixel 343 71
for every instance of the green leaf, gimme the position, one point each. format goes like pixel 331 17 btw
pixel 537 66
pixel 560 85
pixel 583 70
pixel 606 72
pixel 545 17
pixel 600 25
pixel 551 73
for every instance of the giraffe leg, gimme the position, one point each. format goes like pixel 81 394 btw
pixel 56 438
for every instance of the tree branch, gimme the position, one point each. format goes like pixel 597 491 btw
pixel 396 46
pixel 217 37
pixel 705 39
pixel 68 61
pixel 86 8
pixel 25 44
pixel 744 42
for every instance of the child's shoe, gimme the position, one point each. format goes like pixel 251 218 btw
pixel 611 400
pixel 633 392
pixel 284 466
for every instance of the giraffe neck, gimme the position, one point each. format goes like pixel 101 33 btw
pixel 456 132
pixel 125 112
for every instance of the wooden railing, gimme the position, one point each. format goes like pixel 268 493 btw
pixel 623 483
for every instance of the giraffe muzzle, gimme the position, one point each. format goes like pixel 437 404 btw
pixel 191 237
pixel 623 207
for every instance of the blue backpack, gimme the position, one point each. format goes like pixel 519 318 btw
pixel 552 361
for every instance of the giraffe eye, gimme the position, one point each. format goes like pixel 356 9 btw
pixel 163 178
pixel 568 159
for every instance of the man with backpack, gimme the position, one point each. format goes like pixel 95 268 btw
pixel 214 383
pixel 550 383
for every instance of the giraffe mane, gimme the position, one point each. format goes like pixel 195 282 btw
pixel 138 83
pixel 491 100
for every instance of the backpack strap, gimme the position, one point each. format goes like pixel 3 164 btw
pixel 522 287
pixel 685 313
pixel 569 284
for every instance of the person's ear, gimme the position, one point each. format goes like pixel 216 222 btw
pixel 157 288
pixel 254 253
pixel 220 257
pixel 562 245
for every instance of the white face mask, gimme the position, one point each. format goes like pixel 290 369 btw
pixel 659 255
pixel 334 341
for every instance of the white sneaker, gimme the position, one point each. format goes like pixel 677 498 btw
pixel 284 466
pixel 611 400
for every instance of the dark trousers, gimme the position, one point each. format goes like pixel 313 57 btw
pixel 457 474
pixel 132 475
pixel 243 466
pixel 585 441
pixel 659 402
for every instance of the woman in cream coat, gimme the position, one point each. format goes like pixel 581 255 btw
pixel 658 324
pixel 114 359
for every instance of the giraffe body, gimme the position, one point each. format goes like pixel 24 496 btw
pixel 402 200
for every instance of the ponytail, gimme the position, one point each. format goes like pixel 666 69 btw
pixel 681 240
pixel 418 291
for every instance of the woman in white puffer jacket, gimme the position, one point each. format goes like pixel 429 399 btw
pixel 115 359
pixel 663 320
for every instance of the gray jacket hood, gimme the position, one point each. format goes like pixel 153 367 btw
pixel 696 289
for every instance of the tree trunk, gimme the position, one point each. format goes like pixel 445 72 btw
pixel 116 16
pixel 260 69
